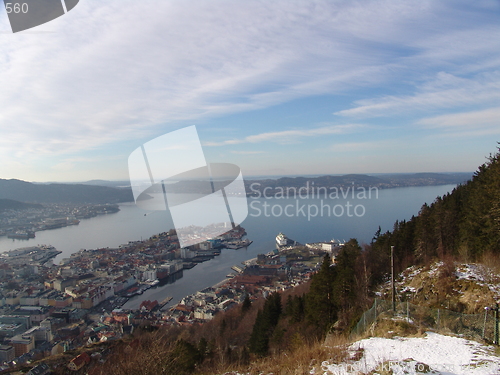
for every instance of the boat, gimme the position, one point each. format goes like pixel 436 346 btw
pixel 22 235
pixel 152 282
pixel 132 291
pixel 238 244
pixel 143 288
pixel 283 241
pixel 188 265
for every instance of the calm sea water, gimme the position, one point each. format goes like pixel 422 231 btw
pixel 304 220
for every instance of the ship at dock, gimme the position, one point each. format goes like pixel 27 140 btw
pixel 152 282
pixel 283 241
pixel 21 235
pixel 55 223
pixel 30 255
pixel 238 244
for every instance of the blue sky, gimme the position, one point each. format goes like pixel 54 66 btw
pixel 278 88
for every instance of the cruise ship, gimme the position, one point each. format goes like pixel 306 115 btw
pixel 23 235
pixel 281 240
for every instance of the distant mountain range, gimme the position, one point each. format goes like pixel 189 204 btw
pixel 62 193
pixel 381 181
pixel 116 184
pixel 102 191
pixel 273 186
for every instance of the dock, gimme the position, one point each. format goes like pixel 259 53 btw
pixel 165 301
pixel 237 269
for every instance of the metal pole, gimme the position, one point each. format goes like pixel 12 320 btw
pixel 392 281
pixel 484 325
pixel 496 325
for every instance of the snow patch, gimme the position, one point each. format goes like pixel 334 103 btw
pixel 432 354
pixel 409 289
pixel 481 275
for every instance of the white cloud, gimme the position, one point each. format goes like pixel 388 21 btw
pixel 119 70
pixel 248 152
pixel 444 91
pixel 287 136
pixel 360 146
pixel 474 120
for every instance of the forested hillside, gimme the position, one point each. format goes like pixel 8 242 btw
pixel 463 224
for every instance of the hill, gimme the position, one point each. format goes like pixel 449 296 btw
pixel 273 186
pixel 463 224
pixel 276 186
pixel 107 183
pixel 62 193
pixel 9 204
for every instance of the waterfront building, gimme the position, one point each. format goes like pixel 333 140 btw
pixel 187 253
pixel 149 274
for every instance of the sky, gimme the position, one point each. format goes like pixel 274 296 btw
pixel 277 88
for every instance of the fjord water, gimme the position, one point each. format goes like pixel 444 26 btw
pixel 133 223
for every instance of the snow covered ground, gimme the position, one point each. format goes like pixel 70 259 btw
pixel 432 354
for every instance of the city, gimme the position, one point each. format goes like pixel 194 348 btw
pixel 47 309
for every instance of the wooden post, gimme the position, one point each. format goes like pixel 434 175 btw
pixel 392 281
pixel 496 325
pixel 484 324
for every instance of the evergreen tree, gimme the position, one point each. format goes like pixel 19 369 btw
pixel 295 308
pixel 247 304
pixel 273 308
pixel 203 347
pixel 264 325
pixel 465 222
pixel 259 339
pixel 289 305
pixel 345 283
pixel 184 357
pixel 320 304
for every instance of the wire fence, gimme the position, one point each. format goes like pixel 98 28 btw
pixel 477 326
